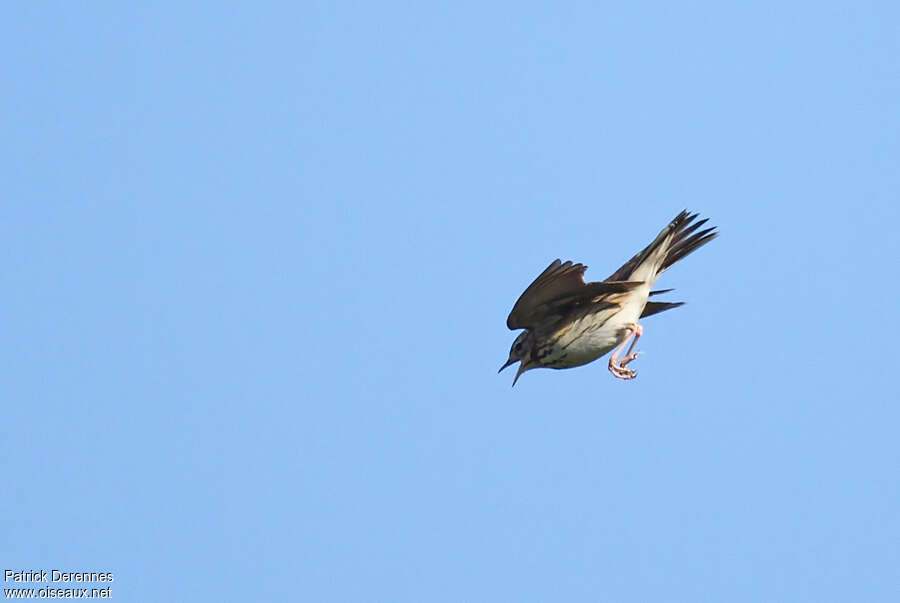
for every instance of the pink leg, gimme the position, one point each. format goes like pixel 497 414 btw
pixel 618 367
pixel 629 356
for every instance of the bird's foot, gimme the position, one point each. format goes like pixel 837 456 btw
pixel 618 367
pixel 629 358
pixel 619 370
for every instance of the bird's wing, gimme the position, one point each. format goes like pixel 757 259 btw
pixel 557 279
pixel 652 307
pixel 655 307
pixel 673 243
pixel 559 288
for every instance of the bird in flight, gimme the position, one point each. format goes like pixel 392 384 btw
pixel 569 322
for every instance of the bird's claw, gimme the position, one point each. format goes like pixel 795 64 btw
pixel 624 362
pixel 619 370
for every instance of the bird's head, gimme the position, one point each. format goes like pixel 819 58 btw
pixel 521 351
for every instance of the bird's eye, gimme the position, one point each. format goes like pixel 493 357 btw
pixel 518 347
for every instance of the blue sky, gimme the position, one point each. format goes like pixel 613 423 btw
pixel 258 262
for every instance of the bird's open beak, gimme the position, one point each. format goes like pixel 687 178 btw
pixel 519 372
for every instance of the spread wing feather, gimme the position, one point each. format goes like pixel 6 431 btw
pixel 675 241
pixel 652 307
pixel 559 288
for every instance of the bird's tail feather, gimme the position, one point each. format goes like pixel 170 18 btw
pixel 676 240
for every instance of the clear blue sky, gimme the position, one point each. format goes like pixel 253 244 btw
pixel 258 262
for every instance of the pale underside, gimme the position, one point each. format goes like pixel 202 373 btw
pixel 591 336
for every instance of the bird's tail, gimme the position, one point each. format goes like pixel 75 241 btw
pixel 676 240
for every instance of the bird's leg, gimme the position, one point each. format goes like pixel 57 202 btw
pixel 638 330
pixel 618 367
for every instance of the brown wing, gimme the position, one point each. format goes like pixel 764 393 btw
pixel 558 288
pixel 676 236
pixel 655 307
pixel 652 307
